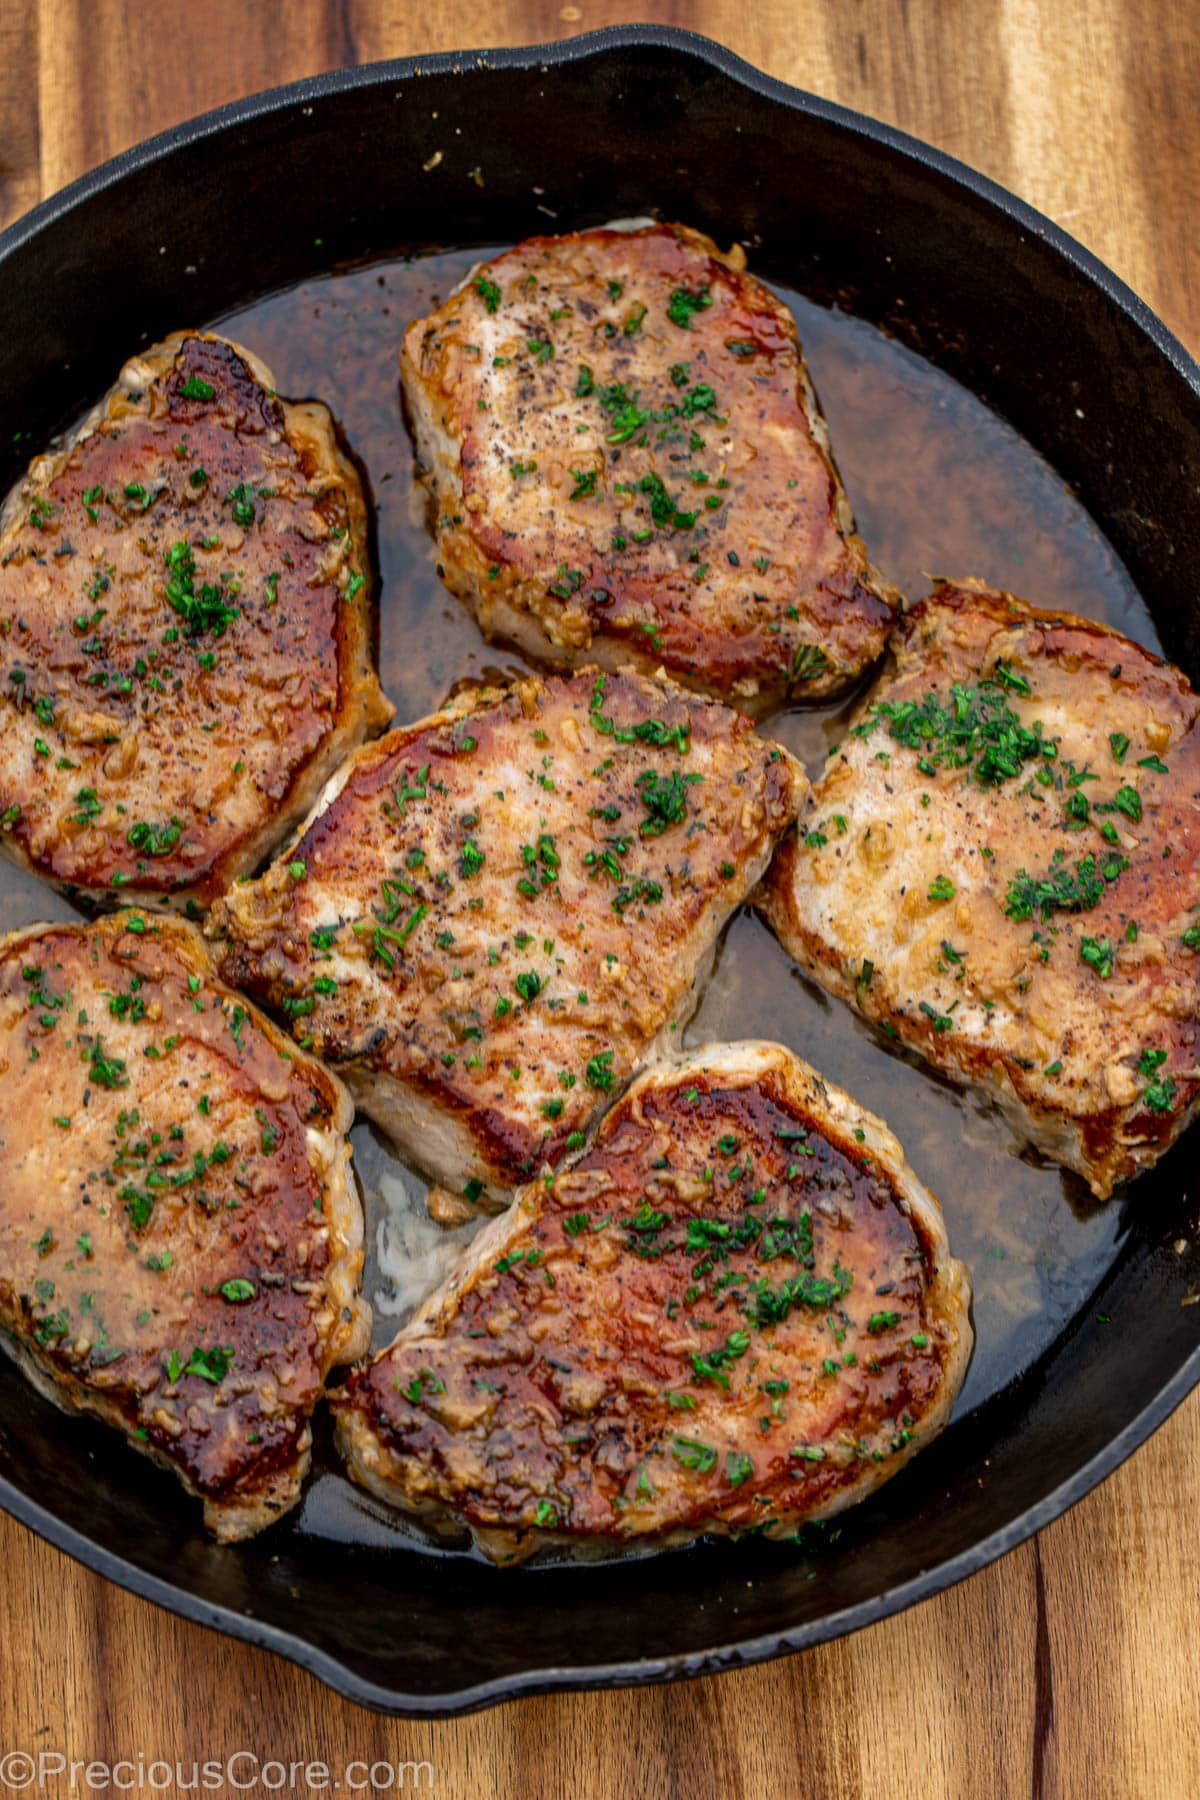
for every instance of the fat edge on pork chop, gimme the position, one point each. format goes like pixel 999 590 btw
pixel 736 1312
pixel 494 915
pixel 185 610
pixel 180 1230
pixel 626 464
pixel 1001 866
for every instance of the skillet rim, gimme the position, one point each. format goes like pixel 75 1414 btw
pixel 634 1671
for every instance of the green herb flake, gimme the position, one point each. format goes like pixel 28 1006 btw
pixel 738 1467
pixel 1099 954
pixel 238 1291
pixel 488 292
pixel 690 1453
pixel 685 303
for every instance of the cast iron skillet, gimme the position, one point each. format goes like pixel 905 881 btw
pixel 276 188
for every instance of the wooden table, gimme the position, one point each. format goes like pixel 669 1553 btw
pixel 1068 1668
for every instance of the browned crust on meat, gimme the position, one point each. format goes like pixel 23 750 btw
pixel 766 590
pixel 420 866
pixel 1101 1073
pixel 151 1159
pixel 119 714
pixel 531 1398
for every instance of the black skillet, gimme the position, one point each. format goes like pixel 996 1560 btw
pixel 260 195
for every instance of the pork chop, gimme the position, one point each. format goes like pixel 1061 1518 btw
pixel 185 625
pixel 180 1231
pixel 494 915
pixel 736 1312
pixel 626 463
pixel 1001 866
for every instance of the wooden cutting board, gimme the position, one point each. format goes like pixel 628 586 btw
pixel 1068 1668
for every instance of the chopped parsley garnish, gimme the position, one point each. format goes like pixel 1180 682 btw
pixel 207 610
pixel 153 839
pixel 1159 1092
pixel 488 292
pixel 711 1366
pixel 88 807
pixel 809 662
pixel 471 860
pixel 514 1257
pixel 411 788
pixel 663 510
pixel 1099 953
pixel 1126 800
pixel 238 1291
pixel 738 1467
pixel 624 414
pixel 647 731
pixel 423 1379
pixel 974 728
pixel 692 1454
pixel 685 303
pixel 140 498
pixel 1060 890
pixel 241 499
pixel 211 1365
pixel 541 864
pixel 105 1071
pixel 665 800
pixel 767 1305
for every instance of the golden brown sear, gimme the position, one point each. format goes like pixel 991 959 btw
pixel 1001 865
pixel 180 1232
pixel 736 1312
pixel 626 464
pixel 496 914
pixel 185 618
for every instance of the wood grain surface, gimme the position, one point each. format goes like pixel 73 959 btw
pixel 1070 1667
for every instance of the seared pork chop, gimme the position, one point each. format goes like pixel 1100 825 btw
pixel 180 1233
pixel 1001 865
pixel 494 914
pixel 736 1312
pixel 626 464
pixel 185 607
